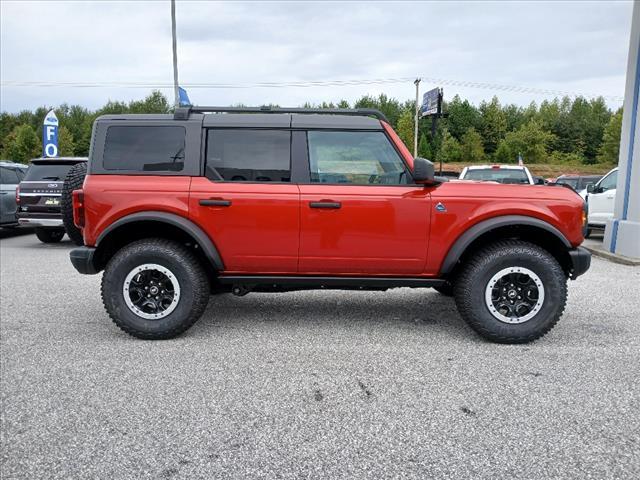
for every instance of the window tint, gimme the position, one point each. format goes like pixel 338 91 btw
pixel 361 158
pixel 9 176
pixel 50 171
pixel 501 175
pixel 145 149
pixel 244 155
pixel 610 181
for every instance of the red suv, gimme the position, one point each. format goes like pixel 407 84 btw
pixel 210 200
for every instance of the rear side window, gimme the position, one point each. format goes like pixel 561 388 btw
pixel 245 155
pixel 144 149
pixel 360 158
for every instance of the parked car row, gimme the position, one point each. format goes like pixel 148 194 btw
pixel 32 196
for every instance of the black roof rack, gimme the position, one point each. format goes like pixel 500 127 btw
pixel 182 113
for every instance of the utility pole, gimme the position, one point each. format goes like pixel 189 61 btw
pixel 175 54
pixel 415 132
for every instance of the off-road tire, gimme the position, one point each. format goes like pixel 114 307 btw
pixel 469 291
pixel 445 289
pixel 73 181
pixel 49 235
pixel 194 287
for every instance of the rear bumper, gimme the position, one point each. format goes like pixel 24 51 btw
pixel 82 260
pixel 580 261
pixel 51 220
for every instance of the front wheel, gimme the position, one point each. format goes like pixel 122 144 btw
pixel 49 235
pixel 511 292
pixel 155 289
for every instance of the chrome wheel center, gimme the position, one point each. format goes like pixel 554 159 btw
pixel 514 295
pixel 151 291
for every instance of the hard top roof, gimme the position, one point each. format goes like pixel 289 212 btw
pixel 43 160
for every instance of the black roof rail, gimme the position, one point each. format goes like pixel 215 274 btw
pixel 182 113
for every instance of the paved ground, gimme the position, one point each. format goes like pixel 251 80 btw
pixel 319 385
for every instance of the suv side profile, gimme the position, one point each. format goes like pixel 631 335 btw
pixel 212 200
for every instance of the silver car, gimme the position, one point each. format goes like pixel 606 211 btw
pixel 11 174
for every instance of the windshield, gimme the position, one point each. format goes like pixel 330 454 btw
pixel 52 171
pixel 501 175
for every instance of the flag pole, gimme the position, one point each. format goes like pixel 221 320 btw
pixel 175 54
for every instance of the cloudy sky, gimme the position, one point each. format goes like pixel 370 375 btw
pixel 108 46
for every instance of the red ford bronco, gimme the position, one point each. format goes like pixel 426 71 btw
pixel 175 208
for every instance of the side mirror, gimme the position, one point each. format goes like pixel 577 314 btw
pixel 424 172
pixel 541 181
pixel 591 188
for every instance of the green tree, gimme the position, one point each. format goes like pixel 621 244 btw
pixel 22 144
pixel 609 151
pixel 471 148
pixel 531 141
pixel 450 150
pixel 155 102
pixel 66 145
pixel 405 129
pixel 493 124
pixel 424 148
pixel 462 116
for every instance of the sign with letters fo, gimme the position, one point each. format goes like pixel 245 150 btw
pixel 50 135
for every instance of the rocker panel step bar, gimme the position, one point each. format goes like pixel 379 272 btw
pixel 331 282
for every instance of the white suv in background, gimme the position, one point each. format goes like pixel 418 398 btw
pixel 601 198
pixel 514 174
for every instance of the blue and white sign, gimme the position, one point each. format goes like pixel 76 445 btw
pixel 183 97
pixel 430 102
pixel 50 135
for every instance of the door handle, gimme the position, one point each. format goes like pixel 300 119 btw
pixel 212 202
pixel 325 204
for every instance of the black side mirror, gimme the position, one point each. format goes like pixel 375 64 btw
pixel 591 188
pixel 424 172
pixel 540 181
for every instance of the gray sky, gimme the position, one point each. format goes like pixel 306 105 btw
pixel 573 46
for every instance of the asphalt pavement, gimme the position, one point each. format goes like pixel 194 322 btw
pixel 312 385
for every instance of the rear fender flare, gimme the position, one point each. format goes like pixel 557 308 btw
pixel 460 245
pixel 208 248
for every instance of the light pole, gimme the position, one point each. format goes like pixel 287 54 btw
pixel 175 54
pixel 415 131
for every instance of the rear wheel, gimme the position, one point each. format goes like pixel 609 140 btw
pixel 511 292
pixel 49 235
pixel 155 289
pixel 73 181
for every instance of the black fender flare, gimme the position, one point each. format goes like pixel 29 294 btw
pixel 473 233
pixel 208 248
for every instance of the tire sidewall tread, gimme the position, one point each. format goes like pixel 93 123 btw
pixel 469 291
pixel 194 288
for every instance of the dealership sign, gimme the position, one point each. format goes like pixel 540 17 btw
pixel 50 135
pixel 430 102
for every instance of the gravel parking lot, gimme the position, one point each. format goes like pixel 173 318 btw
pixel 312 385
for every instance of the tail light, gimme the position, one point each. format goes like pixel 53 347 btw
pixel 78 208
pixel 18 195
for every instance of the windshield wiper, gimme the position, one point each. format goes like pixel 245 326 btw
pixel 51 178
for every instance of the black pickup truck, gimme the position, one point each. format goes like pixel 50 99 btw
pixel 39 196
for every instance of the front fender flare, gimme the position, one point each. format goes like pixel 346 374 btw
pixel 473 233
pixel 208 248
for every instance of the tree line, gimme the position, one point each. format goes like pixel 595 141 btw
pixel 568 131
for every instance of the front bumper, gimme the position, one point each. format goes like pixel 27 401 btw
pixel 82 260
pixel 580 261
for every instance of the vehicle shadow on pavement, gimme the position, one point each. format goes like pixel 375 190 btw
pixel 15 232
pixel 395 309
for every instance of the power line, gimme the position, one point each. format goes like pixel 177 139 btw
pixel 319 83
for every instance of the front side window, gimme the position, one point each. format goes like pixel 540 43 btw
pixel 610 181
pixel 245 155
pixel 359 158
pixel 144 149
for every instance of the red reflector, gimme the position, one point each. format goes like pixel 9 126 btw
pixel 78 208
